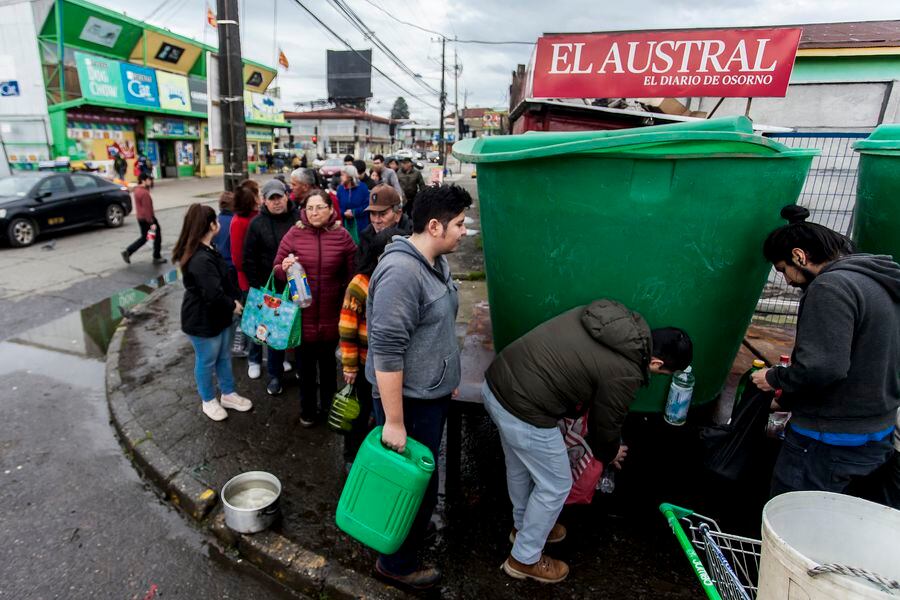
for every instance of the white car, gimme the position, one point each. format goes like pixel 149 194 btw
pixel 405 153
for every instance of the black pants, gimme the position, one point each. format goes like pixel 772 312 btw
pixel 157 243
pixel 424 421
pixel 317 362
pixel 361 425
pixel 805 464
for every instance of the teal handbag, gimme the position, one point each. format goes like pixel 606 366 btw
pixel 271 320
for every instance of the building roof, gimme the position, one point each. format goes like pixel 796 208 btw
pixel 865 34
pixel 340 112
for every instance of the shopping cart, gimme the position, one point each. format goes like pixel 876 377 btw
pixel 731 567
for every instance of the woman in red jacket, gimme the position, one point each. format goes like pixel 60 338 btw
pixel 246 207
pixel 326 251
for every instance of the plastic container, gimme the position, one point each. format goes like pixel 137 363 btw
pixel 803 530
pixel 669 220
pixel 298 284
pixel 383 492
pixel 678 402
pixel 745 379
pixel 876 218
pixel 344 410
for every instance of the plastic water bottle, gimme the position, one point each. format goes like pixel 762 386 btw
pixel 301 295
pixel 784 362
pixel 680 393
pixel 607 483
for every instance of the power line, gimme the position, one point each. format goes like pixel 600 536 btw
pixel 443 35
pixel 370 35
pixel 342 41
pixel 156 10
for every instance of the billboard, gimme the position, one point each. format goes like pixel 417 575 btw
pixel 100 78
pixel 199 99
pixel 139 84
pixel 349 74
pixel 174 93
pixel 741 63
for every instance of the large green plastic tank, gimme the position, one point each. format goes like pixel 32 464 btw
pixel 876 219
pixel 669 220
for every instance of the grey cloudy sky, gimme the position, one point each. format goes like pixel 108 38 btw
pixel 486 69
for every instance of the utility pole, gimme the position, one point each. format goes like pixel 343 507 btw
pixel 231 90
pixel 456 91
pixel 443 148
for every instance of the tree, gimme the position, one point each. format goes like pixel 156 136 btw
pixel 400 110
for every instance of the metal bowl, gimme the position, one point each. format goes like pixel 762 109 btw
pixel 251 501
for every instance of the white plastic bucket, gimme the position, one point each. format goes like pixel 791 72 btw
pixel 802 530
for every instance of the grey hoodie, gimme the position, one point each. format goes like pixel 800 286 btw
pixel 844 375
pixel 411 318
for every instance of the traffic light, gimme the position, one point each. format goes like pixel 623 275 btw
pixel 315 139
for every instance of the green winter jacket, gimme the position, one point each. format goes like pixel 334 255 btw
pixel 590 358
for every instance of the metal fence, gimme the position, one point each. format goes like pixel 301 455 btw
pixel 830 195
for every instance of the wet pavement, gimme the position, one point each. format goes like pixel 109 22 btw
pixel 76 520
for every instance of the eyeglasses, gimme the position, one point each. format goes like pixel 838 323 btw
pixel 317 208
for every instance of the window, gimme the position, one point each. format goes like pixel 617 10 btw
pixel 255 79
pixel 55 185
pixel 169 53
pixel 83 182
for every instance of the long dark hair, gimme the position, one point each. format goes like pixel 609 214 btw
pixel 246 198
pixel 820 244
pixel 370 253
pixel 197 221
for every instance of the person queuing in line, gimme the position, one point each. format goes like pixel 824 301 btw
pixel 385 214
pixel 375 176
pixel 302 180
pixel 335 180
pixel 222 240
pixel 413 355
pixel 245 210
pixel 363 175
pixel 843 386
pixel 211 300
pixel 588 360
pixel 411 182
pixel 326 251
pixel 146 218
pixel 386 174
pixel 261 242
pixel 353 198
pixel 352 329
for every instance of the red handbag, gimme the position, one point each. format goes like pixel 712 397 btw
pixel 586 469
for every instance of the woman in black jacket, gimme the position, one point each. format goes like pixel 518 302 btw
pixel 210 302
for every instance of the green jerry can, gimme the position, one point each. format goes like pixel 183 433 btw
pixel 383 492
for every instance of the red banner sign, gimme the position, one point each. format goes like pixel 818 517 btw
pixel 689 63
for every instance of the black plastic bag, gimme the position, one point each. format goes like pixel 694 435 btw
pixel 729 449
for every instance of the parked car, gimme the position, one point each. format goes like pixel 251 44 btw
pixel 331 167
pixel 405 153
pixel 35 203
pixel 433 156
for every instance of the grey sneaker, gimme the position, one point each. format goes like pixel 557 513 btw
pixel 236 402
pixel 214 410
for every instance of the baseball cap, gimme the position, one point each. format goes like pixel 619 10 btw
pixel 383 196
pixel 272 188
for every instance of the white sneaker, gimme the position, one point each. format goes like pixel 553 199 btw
pixel 236 402
pixel 254 371
pixel 214 410
pixel 287 367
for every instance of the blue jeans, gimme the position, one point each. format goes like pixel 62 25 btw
pixel 213 354
pixel 274 358
pixel 424 421
pixel 538 477
pixel 805 464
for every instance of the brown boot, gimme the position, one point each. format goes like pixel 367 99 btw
pixel 545 570
pixel 557 534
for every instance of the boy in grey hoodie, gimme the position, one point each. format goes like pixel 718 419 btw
pixel 413 355
pixel 842 386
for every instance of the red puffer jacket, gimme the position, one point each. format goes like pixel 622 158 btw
pixel 327 253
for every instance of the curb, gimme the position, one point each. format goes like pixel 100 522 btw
pixel 287 562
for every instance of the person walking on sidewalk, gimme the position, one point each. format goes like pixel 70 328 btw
pixel 386 174
pixel 146 218
pixel 246 203
pixel 413 355
pixel 209 305
pixel 264 235
pixel 588 360
pixel 326 251
pixel 411 182
pixel 354 341
pixel 843 386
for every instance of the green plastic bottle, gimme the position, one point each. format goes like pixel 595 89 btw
pixel 745 379
pixel 344 410
pixel 383 492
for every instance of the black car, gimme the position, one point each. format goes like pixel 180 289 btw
pixel 34 203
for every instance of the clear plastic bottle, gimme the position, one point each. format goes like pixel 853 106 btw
pixel 607 483
pixel 680 393
pixel 778 420
pixel 301 295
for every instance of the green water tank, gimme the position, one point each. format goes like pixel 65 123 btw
pixel 383 492
pixel 669 220
pixel 876 218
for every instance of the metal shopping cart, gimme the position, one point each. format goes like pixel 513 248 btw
pixel 731 568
